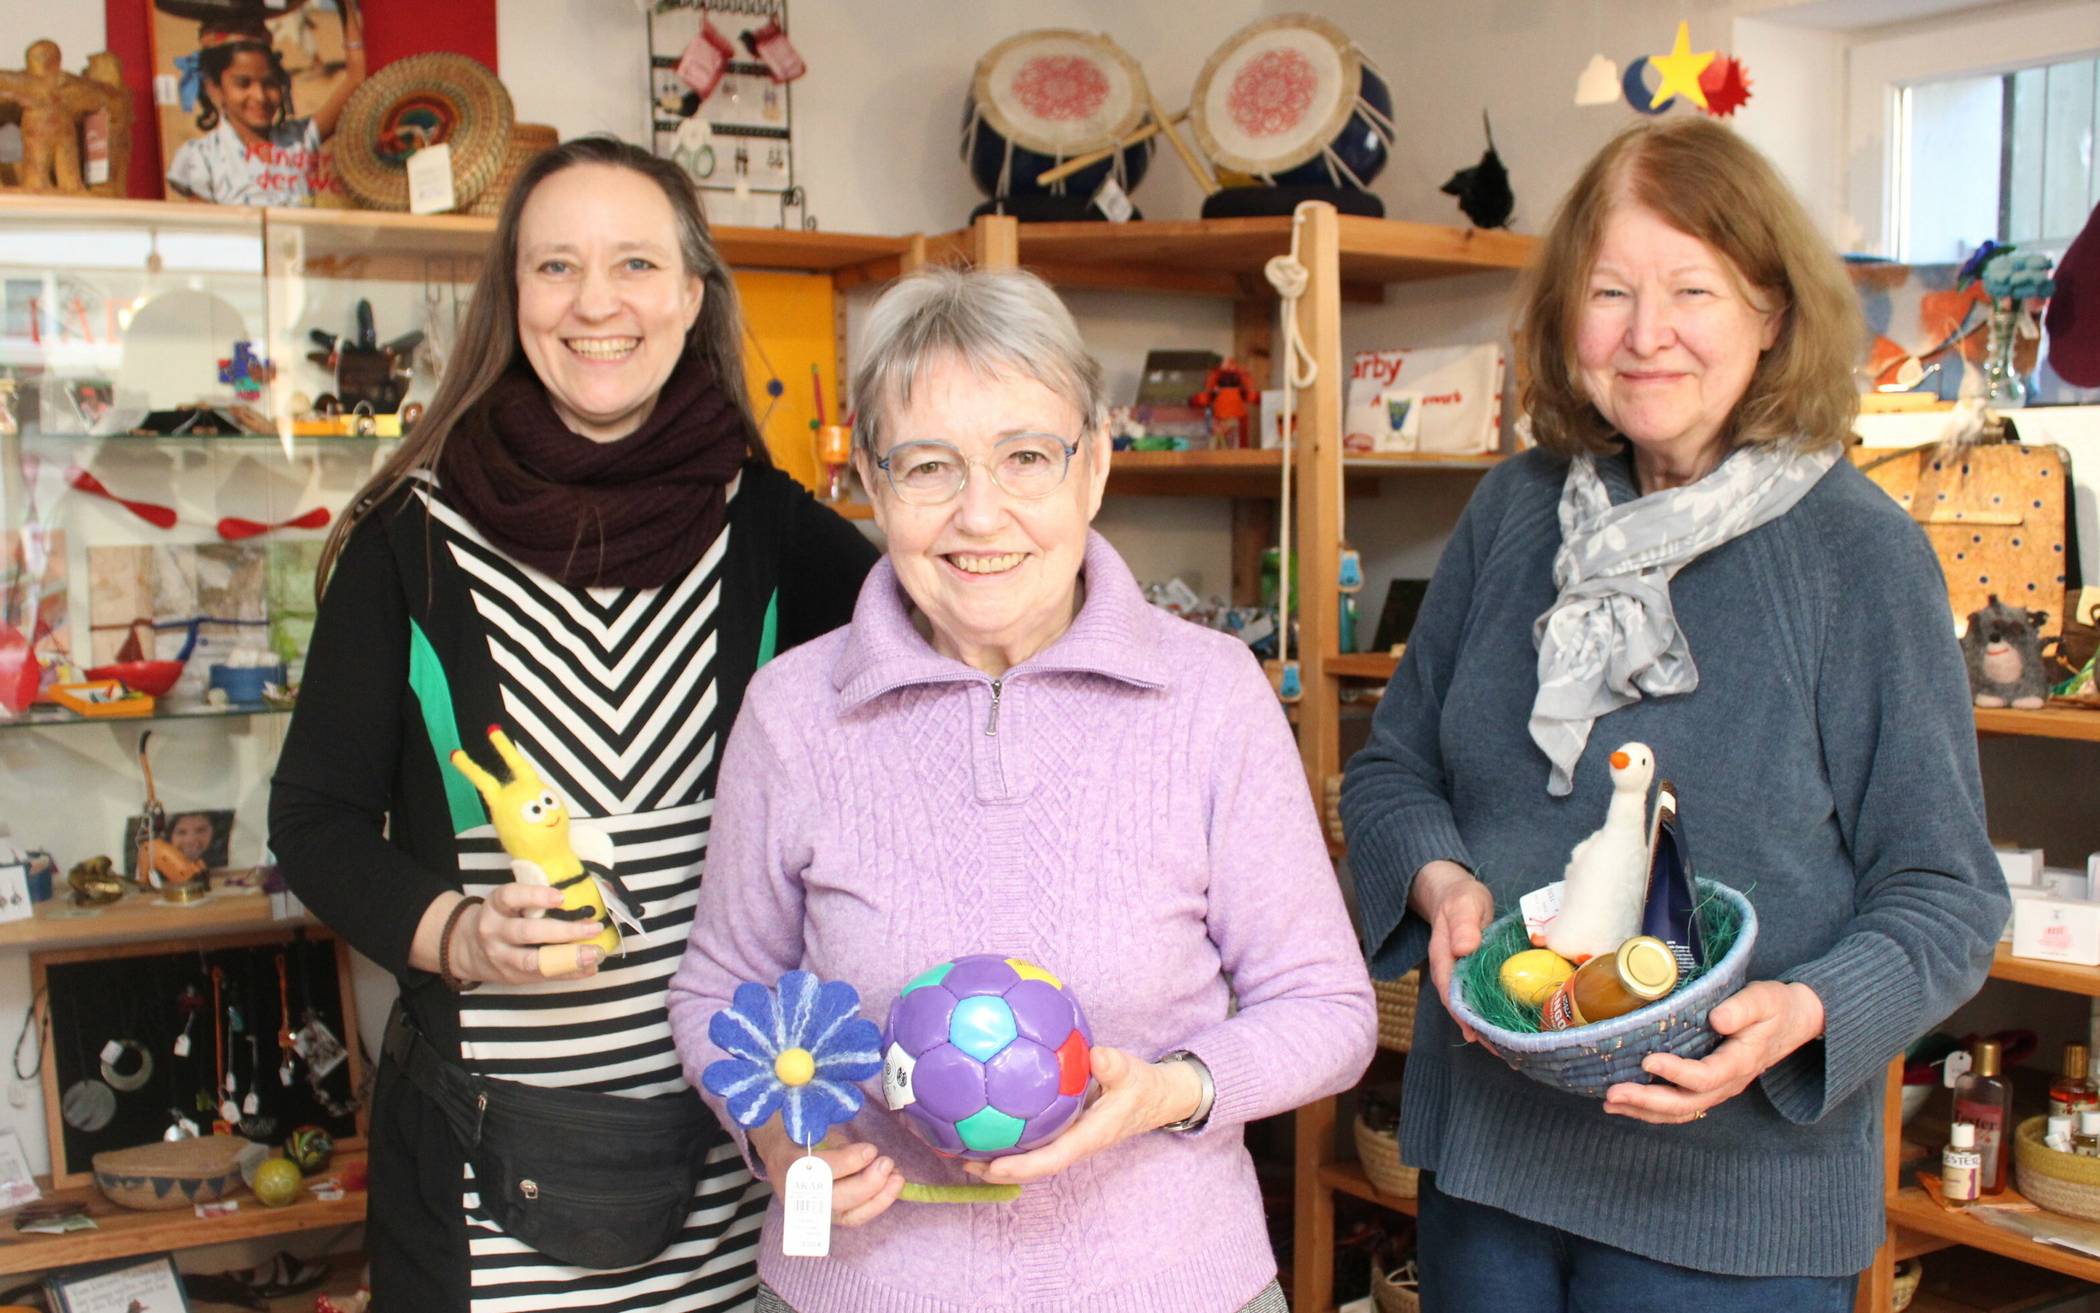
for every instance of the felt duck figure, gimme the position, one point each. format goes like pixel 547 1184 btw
pixel 547 848
pixel 1606 880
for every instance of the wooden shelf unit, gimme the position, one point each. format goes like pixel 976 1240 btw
pixel 1224 257
pixel 141 916
pixel 124 1232
pixel 1349 1179
pixel 1912 1213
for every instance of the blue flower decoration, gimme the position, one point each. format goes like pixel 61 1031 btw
pixel 1972 268
pixel 797 1049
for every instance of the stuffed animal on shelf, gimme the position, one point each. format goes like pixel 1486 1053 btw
pixel 1606 881
pixel 2004 656
pixel 547 848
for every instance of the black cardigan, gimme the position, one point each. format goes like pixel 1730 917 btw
pixel 357 815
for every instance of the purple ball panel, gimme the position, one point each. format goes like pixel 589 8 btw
pixel 949 1084
pixel 1042 1012
pixel 1022 1080
pixel 919 1020
pixel 981 973
pixel 1047 1125
pixel 935 1132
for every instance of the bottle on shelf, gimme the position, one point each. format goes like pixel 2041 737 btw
pixel 1983 1098
pixel 2086 1143
pixel 1961 1167
pixel 2073 1092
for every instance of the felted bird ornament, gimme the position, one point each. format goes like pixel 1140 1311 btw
pixel 1483 191
pixel 1606 881
pixel 547 848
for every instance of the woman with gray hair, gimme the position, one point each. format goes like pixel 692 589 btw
pixel 1009 752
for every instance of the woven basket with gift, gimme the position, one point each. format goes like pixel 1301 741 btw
pixel 1626 957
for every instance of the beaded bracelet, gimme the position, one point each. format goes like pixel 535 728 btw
pixel 452 982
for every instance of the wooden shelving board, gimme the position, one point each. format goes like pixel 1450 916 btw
pixel 1224 257
pixel 1362 665
pixel 2049 975
pixel 1349 1179
pixel 123 1232
pixel 1241 472
pixel 1910 1209
pixel 139 916
pixel 2054 722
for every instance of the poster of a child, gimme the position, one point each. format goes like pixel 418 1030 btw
pixel 237 135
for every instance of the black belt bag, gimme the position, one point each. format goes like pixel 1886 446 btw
pixel 592 1180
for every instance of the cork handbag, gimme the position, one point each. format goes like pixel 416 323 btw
pixel 1998 516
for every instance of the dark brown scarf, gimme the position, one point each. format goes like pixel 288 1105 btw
pixel 634 513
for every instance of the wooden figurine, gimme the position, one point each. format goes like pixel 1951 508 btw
pixel 52 104
pixel 104 68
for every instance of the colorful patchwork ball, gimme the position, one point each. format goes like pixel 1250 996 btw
pixel 986 1056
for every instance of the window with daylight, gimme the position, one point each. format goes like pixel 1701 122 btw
pixel 2006 155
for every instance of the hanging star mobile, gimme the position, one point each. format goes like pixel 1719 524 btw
pixel 1680 70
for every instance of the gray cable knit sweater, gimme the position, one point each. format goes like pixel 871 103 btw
pixel 1827 768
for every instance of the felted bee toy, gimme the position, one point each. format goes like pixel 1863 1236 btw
pixel 547 848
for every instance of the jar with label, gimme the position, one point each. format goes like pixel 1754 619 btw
pixel 1642 971
pixel 2086 1141
pixel 1961 1167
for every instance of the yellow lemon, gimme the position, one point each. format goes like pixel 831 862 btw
pixel 795 1067
pixel 1529 976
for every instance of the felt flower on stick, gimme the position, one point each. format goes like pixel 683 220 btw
pixel 798 1049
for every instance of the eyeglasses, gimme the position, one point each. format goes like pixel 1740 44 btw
pixel 1027 465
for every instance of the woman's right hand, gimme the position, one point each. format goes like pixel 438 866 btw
pixel 863 1183
pixel 1458 908
pixel 499 940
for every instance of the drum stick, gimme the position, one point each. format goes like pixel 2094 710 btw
pixel 1078 162
pixel 1181 148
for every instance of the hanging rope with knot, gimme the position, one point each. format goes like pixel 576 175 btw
pixel 1289 276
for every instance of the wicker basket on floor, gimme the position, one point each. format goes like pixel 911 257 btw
pixel 1396 1010
pixel 1379 1153
pixel 2060 1182
pixel 1396 1291
pixel 1909 1273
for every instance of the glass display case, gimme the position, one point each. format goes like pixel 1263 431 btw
pixel 169 470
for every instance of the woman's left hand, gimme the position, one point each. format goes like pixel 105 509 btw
pixel 1762 1023
pixel 1136 1097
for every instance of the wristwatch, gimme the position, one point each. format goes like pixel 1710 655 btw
pixel 1195 1120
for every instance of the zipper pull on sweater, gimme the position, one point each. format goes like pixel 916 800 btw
pixel 991 722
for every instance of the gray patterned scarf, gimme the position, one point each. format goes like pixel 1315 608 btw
pixel 1611 637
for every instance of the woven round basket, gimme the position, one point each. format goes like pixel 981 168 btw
pixel 171 1174
pixel 1396 1291
pixel 1908 1274
pixel 526 141
pixel 1379 1155
pixel 2060 1182
pixel 421 101
pixel 1396 1010
pixel 1589 1060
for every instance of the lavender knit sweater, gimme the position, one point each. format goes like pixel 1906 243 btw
pixel 1136 820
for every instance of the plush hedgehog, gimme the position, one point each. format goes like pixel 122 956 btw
pixel 2004 654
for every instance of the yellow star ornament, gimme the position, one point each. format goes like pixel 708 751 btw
pixel 1680 70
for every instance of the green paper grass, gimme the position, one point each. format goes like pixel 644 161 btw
pixel 1481 973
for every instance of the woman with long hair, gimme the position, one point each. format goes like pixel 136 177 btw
pixel 555 591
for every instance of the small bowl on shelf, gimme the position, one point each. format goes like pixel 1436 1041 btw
pixel 245 683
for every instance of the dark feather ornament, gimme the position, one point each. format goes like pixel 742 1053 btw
pixel 1483 190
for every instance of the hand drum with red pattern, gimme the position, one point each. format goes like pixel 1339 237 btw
pixel 986 1056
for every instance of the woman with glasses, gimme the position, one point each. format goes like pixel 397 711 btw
pixel 1009 752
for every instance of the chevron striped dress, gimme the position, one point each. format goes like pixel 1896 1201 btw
pixel 610 692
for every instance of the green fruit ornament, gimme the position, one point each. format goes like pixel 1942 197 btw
pixel 309 1147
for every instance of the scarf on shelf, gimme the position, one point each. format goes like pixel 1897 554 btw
pixel 1611 637
pixel 632 513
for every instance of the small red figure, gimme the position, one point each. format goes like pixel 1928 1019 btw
pixel 1226 393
